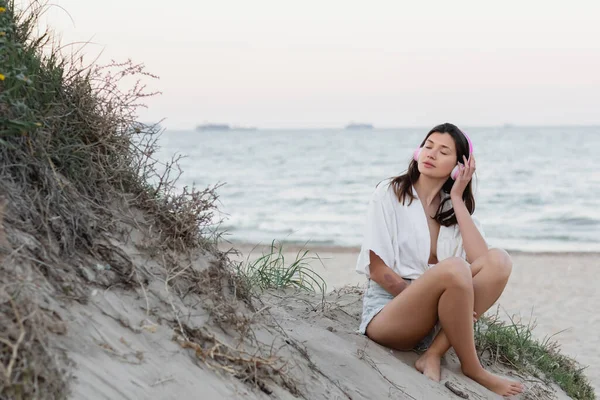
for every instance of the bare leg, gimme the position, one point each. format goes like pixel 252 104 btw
pixel 407 318
pixel 445 290
pixel 490 275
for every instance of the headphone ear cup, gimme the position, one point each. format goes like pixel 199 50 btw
pixel 417 153
pixel 455 172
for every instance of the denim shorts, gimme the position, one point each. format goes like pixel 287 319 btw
pixel 375 298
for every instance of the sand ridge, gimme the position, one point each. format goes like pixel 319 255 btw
pixel 123 344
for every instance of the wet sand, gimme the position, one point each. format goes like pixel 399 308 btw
pixel 556 290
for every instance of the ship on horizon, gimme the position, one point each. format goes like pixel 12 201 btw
pixel 355 126
pixel 223 127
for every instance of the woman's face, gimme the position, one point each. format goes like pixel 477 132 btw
pixel 438 157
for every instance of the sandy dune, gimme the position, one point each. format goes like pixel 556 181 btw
pixel 558 289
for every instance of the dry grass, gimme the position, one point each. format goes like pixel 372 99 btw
pixel 254 369
pixel 78 174
pixel 72 158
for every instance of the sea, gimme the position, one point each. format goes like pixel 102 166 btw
pixel 536 188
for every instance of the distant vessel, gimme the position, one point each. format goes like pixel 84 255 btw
pixel 213 127
pixel 223 127
pixel 354 126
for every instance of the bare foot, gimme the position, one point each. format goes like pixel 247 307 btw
pixel 501 386
pixel 429 365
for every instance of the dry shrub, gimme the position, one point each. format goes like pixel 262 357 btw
pixel 28 367
pixel 77 169
pixel 74 163
pixel 254 369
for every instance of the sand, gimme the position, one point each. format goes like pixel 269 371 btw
pixel 120 352
pixel 123 344
pixel 557 290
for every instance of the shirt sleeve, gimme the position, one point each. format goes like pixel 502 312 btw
pixel 378 234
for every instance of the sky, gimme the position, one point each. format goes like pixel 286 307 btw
pixel 325 63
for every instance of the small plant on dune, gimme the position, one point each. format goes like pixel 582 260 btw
pixel 513 344
pixel 270 270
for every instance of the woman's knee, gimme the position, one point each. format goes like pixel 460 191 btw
pixel 457 272
pixel 500 260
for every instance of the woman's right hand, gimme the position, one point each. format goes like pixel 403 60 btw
pixel 464 177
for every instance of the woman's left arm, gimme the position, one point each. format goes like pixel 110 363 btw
pixel 473 242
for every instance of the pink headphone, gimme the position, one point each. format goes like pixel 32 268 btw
pixel 455 171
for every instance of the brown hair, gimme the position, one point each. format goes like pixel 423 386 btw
pixel 403 184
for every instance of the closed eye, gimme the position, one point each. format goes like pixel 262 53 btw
pixel 430 142
pixel 429 147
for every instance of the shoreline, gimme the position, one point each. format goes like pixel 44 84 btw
pixel 340 249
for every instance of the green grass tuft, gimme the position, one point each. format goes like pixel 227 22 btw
pixel 271 271
pixel 513 344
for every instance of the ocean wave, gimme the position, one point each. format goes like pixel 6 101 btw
pixel 293 186
pixel 573 221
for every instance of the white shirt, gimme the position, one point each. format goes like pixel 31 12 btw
pixel 399 234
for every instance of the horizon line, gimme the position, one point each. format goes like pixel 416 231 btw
pixel 375 127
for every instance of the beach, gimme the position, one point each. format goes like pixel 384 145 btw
pixel 116 279
pixel 126 344
pixel 557 291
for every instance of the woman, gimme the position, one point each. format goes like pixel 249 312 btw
pixel 428 262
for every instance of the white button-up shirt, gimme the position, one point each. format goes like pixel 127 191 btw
pixel 399 235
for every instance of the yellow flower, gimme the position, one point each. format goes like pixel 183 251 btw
pixel 2 34
pixel 2 9
pixel 2 77
pixel 38 124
